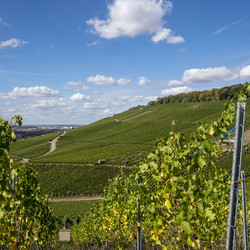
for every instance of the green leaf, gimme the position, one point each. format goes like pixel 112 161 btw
pixel 201 161
pixel 207 145
pixel 186 227
pixel 189 241
pixel 151 208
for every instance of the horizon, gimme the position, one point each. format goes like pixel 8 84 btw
pixel 78 62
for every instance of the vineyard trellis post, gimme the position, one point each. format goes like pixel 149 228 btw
pixel 236 170
pixel 139 229
pixel 15 216
pixel 244 205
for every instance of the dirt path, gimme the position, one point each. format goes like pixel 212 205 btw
pixel 53 143
pixel 52 148
pixel 83 198
pixel 136 116
pixel 64 235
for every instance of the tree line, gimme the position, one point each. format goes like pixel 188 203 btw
pixel 216 94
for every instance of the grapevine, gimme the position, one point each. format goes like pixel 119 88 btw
pixel 25 216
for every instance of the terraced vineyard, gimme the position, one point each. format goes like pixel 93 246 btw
pixel 75 180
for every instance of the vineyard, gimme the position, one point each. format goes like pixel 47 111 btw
pixel 181 187
pixel 177 195
pixel 72 180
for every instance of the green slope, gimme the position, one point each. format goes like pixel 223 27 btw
pixel 33 147
pixel 126 143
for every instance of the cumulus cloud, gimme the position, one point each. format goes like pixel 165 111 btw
pixel 75 86
pixel 13 43
pixel 132 18
pixel 175 83
pixel 167 35
pixel 175 91
pixel 245 72
pixel 142 80
pixel 105 80
pixel 38 91
pixel 208 75
pixel 123 81
pixel 44 104
pixel 78 97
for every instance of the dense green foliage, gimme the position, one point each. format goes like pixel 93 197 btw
pixel 71 180
pixel 184 198
pixel 32 147
pixel 24 213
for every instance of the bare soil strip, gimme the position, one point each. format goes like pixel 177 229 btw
pixel 82 198
pixel 136 116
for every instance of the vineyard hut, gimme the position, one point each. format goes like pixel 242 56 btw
pixel 195 107
pixel 100 161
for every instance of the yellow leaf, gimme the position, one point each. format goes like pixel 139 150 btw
pixel 168 204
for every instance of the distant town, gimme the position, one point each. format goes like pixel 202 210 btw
pixel 37 130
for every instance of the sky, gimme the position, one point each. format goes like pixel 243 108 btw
pixel 75 62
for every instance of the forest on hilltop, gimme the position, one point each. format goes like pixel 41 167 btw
pixel 216 94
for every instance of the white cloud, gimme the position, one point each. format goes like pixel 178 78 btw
pixel 245 72
pixel 71 83
pixel 142 80
pixel 139 99
pixel 3 23
pixel 13 43
pixel 79 98
pixel 101 80
pixel 74 86
pixel 175 91
pixel 38 91
pixel 132 18
pixel 84 87
pixel 208 75
pixel 44 104
pixel 123 81
pixel 175 83
pixel 167 35
pixel 105 80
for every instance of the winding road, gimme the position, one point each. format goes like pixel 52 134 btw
pixel 52 148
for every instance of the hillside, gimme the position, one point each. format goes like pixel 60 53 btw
pixel 124 141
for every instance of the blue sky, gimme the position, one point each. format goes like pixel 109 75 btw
pixel 74 62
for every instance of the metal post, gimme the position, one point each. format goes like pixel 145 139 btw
pixel 15 216
pixel 244 205
pixel 232 218
pixel 139 234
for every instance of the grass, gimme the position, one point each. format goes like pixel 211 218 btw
pixel 33 147
pixel 128 142
pixel 72 180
